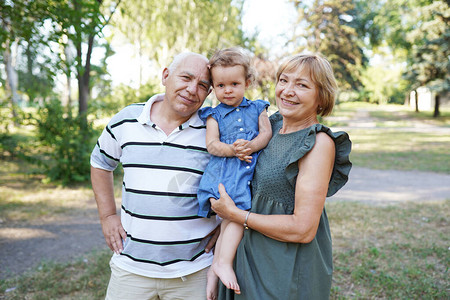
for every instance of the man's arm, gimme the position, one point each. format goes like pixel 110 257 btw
pixel 103 187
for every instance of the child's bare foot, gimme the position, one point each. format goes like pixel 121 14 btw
pixel 226 274
pixel 211 285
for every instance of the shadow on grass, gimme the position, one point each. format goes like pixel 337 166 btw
pixel 394 252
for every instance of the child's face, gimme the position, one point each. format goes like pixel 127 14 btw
pixel 229 84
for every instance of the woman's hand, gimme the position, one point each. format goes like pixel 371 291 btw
pixel 224 206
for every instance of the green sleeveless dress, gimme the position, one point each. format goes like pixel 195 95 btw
pixel 269 269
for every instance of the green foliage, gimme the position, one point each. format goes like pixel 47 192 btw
pixel 68 142
pixel 161 29
pixel 383 84
pixel 429 61
pixel 418 34
pixel 122 95
pixel 330 31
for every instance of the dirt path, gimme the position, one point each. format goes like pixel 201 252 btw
pixel 25 246
pixel 386 187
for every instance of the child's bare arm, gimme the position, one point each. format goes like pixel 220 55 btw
pixel 244 148
pixel 213 143
pixel 264 136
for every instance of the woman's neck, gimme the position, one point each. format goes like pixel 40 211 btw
pixel 290 125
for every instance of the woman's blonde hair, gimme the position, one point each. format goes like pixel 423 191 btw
pixel 321 73
pixel 234 56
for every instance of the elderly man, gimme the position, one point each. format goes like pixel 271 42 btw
pixel 161 247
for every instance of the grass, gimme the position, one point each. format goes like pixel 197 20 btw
pixel 83 279
pixel 395 137
pixel 400 150
pixel 393 252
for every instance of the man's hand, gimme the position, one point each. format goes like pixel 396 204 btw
pixel 214 236
pixel 114 233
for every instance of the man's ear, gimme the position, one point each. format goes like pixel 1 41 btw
pixel 165 74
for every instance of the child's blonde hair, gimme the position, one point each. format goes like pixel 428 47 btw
pixel 230 57
pixel 321 73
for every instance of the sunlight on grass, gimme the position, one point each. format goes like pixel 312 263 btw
pixel 401 150
pixel 391 115
pixel 23 197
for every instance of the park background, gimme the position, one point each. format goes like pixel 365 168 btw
pixel 67 66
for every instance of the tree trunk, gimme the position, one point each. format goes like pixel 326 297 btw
pixel 416 96
pixel 407 99
pixel 11 79
pixel 436 106
pixel 83 84
pixel 67 62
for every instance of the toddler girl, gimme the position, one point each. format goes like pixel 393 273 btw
pixel 236 130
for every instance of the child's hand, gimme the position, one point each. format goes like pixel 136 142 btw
pixel 242 150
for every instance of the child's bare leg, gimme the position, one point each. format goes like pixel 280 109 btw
pixel 212 278
pixel 231 234
pixel 211 285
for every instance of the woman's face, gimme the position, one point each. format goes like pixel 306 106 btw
pixel 296 95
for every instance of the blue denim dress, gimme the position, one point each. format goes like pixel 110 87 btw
pixel 234 123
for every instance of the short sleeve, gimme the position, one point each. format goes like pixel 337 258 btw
pixel 342 164
pixel 205 112
pixel 261 105
pixel 107 151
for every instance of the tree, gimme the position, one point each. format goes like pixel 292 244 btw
pixel 82 21
pixel 19 20
pixel 429 60
pixel 162 29
pixel 417 33
pixel 326 26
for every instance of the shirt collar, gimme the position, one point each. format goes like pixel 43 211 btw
pixel 224 109
pixel 144 117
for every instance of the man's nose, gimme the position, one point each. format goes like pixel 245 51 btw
pixel 192 87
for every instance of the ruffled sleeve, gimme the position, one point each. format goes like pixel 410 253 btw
pixel 342 164
pixel 205 112
pixel 261 105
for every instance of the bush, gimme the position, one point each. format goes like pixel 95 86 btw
pixel 67 141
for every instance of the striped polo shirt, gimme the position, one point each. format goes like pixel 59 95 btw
pixel 165 237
